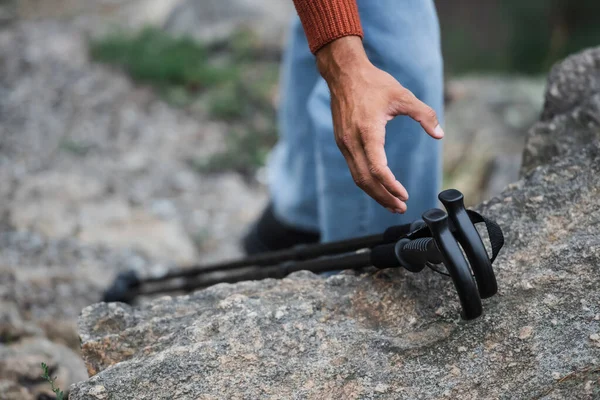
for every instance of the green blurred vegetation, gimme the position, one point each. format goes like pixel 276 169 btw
pixel 155 57
pixel 74 147
pixel 233 80
pixel 517 36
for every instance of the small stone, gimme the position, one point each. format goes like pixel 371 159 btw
pixel 554 322
pixel 588 387
pixel 462 349
pixel 595 337
pixel 381 388
pixel 526 332
pixel 537 199
pixel 556 375
pixel 98 391
pixel 455 371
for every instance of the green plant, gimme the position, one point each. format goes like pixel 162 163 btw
pixel 228 102
pixel 59 393
pixel 233 81
pixel 156 57
pixel 74 147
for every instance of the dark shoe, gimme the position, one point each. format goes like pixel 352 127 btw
pixel 270 234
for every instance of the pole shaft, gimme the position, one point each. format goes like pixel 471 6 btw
pixel 277 257
pixel 348 261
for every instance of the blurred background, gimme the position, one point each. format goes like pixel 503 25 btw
pixel 134 133
pixel 146 124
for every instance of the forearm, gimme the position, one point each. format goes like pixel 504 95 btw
pixel 327 20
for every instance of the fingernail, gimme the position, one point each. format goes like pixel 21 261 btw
pixel 390 210
pixel 399 211
pixel 439 132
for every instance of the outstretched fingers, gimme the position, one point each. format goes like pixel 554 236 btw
pixel 406 103
pixel 376 159
pixel 371 173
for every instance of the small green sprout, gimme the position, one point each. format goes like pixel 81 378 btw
pixel 59 393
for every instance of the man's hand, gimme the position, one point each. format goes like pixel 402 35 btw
pixel 363 99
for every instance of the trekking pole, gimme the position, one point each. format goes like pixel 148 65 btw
pixel 297 253
pixel 398 246
pixel 123 289
pixel 411 254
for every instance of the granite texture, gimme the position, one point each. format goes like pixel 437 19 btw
pixel 391 334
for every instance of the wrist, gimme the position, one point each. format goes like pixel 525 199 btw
pixel 341 57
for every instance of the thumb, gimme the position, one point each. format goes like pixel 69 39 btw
pixel 406 103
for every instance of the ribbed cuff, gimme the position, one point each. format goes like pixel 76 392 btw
pixel 327 20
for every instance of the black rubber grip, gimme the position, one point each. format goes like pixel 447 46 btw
pixel 420 251
pixel 469 239
pixel 455 262
pixel 384 256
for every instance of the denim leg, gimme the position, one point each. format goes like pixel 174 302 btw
pixel 402 38
pixel 291 169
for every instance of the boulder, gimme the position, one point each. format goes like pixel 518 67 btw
pixel 388 334
pixel 571 116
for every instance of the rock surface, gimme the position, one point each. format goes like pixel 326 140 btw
pixel 388 334
pixel 571 113
pixel 96 176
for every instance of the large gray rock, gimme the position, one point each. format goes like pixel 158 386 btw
pixel 389 334
pixel 572 82
pixel 571 116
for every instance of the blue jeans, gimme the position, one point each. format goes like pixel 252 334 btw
pixel 309 180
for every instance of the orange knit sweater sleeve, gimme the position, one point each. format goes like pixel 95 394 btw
pixel 327 20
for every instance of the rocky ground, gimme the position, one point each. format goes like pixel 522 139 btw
pixel 390 334
pixel 95 178
pixel 95 175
